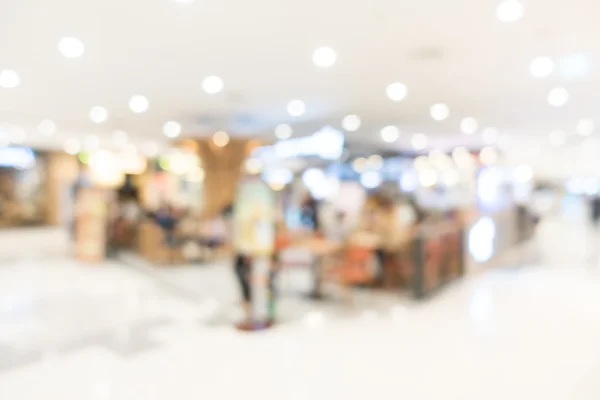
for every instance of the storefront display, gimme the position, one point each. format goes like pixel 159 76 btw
pixel 91 224
pixel 22 187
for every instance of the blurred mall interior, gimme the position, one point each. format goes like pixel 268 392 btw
pixel 296 200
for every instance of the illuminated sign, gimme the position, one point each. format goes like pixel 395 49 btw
pixel 327 143
pixel 17 157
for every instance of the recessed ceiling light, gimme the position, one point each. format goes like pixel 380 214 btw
pixel 396 91
pixel 509 11
pixel 419 141
pixel 488 155
pixel 523 173
pixel 296 108
pixel 71 47
pixel 324 57
pixel 47 127
pixel 351 123
pixel 558 97
pixel 586 127
pixel 283 131
pixel 138 104
pixel 220 138
pixel 557 138
pixel 439 112
pixel 253 166
pixel 375 162
pixel 390 134
pixel 172 129
pixel 469 125
pixel 489 135
pixel 541 67
pixel 9 79
pixel 212 84
pixel 370 179
pixel 98 114
pixel 72 146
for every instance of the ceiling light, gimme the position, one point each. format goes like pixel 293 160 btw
pixel 98 114
pixel 313 177
pixel 120 138
pixel 138 104
pixel 390 134
pixel 428 177
pixel 509 11
pixel 90 142
pixel 72 146
pixel 296 108
pixel 47 127
pixel 557 138
pixel 421 162
pixel 586 127
pixel 253 166
pixel 71 47
pixel 523 173
pixel 541 67
pixel 469 125
pixel 283 131
pixel 324 57
pixel 351 123
pixel 439 112
pixel 488 156
pixel 558 97
pixel 489 135
pixel 450 177
pixel 172 129
pixel 419 141
pixel 375 162
pixel 396 91
pixel 9 79
pixel 359 164
pixel 371 179
pixel 212 84
pixel 220 138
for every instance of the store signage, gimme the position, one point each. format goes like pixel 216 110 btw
pixel 17 157
pixel 327 143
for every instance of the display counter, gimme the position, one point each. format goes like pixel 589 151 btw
pixel 437 257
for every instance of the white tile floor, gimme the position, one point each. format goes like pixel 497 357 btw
pixel 71 331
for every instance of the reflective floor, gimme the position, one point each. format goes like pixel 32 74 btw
pixel 529 330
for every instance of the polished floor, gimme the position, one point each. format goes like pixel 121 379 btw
pixel 527 330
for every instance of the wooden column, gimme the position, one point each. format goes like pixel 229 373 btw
pixel 223 169
pixel 61 172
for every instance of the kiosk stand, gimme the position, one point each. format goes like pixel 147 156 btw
pixel 254 242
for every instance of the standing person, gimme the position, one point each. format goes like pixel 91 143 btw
pixel 309 213
pixel 595 208
pixel 166 218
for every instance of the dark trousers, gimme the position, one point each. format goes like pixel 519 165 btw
pixel 243 271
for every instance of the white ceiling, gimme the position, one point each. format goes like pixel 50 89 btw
pixel 454 52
